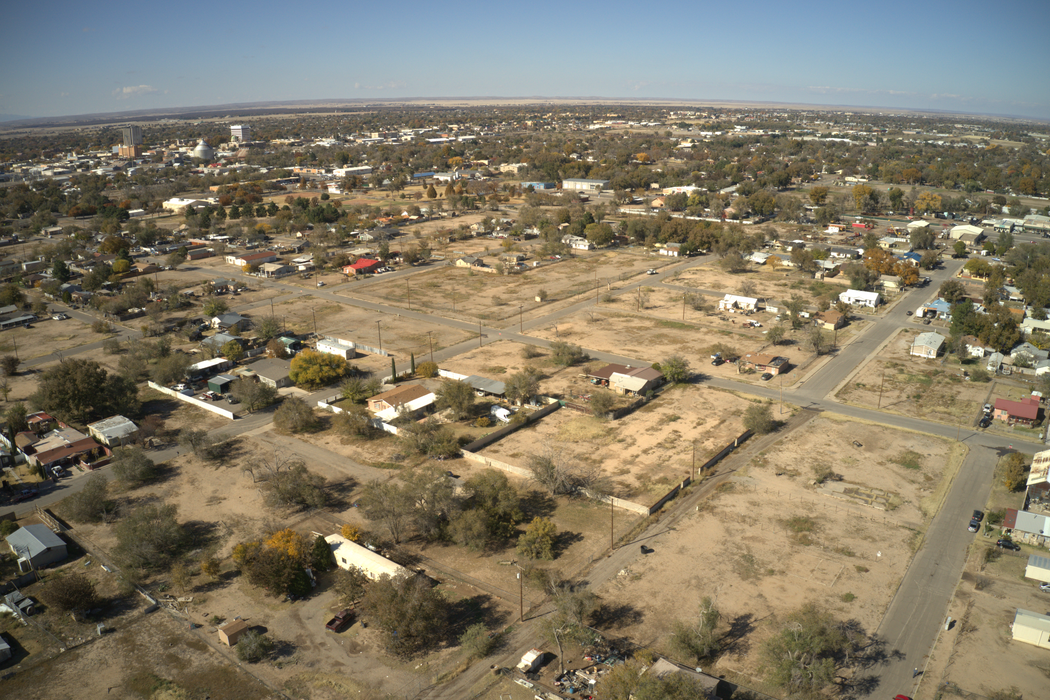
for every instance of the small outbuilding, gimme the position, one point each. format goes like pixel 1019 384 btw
pixel 1038 568
pixel 231 632
pixel 115 431
pixel 5 649
pixel 37 546
pixel 1031 628
pixel 221 384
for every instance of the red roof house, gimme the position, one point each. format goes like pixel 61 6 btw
pixel 1025 411
pixel 361 266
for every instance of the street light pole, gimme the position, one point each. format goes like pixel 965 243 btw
pixel 521 327
pixel 379 331
pixel 521 598
pixel 408 287
pixel 429 335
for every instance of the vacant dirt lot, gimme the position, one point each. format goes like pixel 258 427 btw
pixel 978 655
pixel 494 297
pixel 770 540
pixel 915 386
pixel 770 285
pixel 644 453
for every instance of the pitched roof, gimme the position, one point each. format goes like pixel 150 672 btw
pixel 646 373
pixel 929 340
pixel 34 539
pixel 402 394
pixel 1027 408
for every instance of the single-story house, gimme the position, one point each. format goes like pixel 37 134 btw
pixel 1030 528
pixel 927 345
pixel 627 377
pixel 361 266
pixel 246 258
pixel 1031 628
pixel 1025 412
pixel 636 381
pixel 1031 325
pixel 332 346
pixel 486 386
pixel 1026 352
pixel 890 283
pixel 230 321
pixel 830 320
pixel 410 409
pixel 37 546
pixel 733 302
pixel 231 632
pixel 115 431
pixel 273 372
pixel 372 564
pixel 276 269
pixel 397 397
pixel 217 341
pixel 1038 568
pixel 467 261
pixel 60 448
pixel 663 667
pixel 856 297
pixel 974 346
pixel 673 250
pixel 763 362
pixel 938 308
pixel 206 368
pixel 995 361
pixel 576 242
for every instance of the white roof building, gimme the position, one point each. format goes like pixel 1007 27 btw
pixel 733 301
pixel 856 297
pixel 345 349
pixel 1031 628
pixel 114 431
pixel 373 564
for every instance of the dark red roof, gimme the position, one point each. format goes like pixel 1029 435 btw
pixel 363 264
pixel 1027 409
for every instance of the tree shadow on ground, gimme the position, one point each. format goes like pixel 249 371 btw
pixel 537 504
pixel 468 611
pixel 339 493
pixel 615 616
pixel 735 640
pixel 565 540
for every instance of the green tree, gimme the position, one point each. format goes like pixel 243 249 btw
pixel 697 640
pixel 477 642
pixel 233 350
pixel 312 370
pixel 321 557
pixel 73 592
pixel 17 418
pixel 295 416
pixel 132 467
pixel 573 607
pixel 215 307
pixel 602 403
pixel 538 540
pixel 81 391
pixel 776 334
pixel 268 327
pixel 960 249
pixel 60 271
pixel 1014 471
pixel 522 386
pixel 9 365
pixel 675 369
pixel 349 585
pixel 90 504
pixel 253 394
pixel 817 195
pixel 391 505
pixel 758 418
pixel 296 488
pixel 356 421
pixel 408 611
pixel 952 291
pixel 428 438
pixel 254 646
pixel 150 537
pixel 456 396
pixel 801 658
pixel 567 354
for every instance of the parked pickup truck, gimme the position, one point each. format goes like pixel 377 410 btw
pixel 340 622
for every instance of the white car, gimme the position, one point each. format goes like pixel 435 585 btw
pixel 320 284
pixel 650 271
pixel 179 387
pixel 59 317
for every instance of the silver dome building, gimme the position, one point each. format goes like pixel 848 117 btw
pixel 203 151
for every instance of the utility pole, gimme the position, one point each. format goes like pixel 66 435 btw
pixel 314 314
pixel 521 598
pixel 271 307
pixel 408 287
pixel 379 331
pixel 692 471
pixel 781 393
pixel 479 332
pixel 430 335
pixel 880 390
pixel 612 536
pixel 521 327
pixel 596 288
pixel 683 306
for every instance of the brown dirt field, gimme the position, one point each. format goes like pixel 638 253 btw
pixel 645 452
pixel 47 336
pixel 770 285
pixel 770 541
pixel 495 297
pixel 151 656
pixel 915 386
pixel 401 335
pixel 978 655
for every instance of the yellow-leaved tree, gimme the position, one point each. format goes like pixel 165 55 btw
pixel 291 543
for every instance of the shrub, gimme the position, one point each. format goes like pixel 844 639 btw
pixel 295 416
pixel 427 369
pixel 538 540
pixel 254 647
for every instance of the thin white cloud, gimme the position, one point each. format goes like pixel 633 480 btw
pixel 133 91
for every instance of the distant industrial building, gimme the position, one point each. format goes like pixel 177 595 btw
pixel 132 146
pixel 240 133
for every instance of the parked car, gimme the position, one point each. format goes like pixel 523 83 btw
pixel 340 622
pixel 179 387
pixel 975 525
pixel 1045 587
pixel 718 361
pixel 766 377
pixel 320 283
pixel 59 317
pixel 1004 543
pixel 650 271
pixel 985 422
pixel 24 495
pixel 908 313
pixel 978 515
pixel 988 408
pixel 231 399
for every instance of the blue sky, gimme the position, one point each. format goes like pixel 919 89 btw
pixel 69 57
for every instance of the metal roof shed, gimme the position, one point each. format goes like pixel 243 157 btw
pixel 489 386
pixel 1038 568
pixel 37 544
pixel 220 384
pixel 1031 628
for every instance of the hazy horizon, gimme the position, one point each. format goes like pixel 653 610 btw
pixel 934 56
